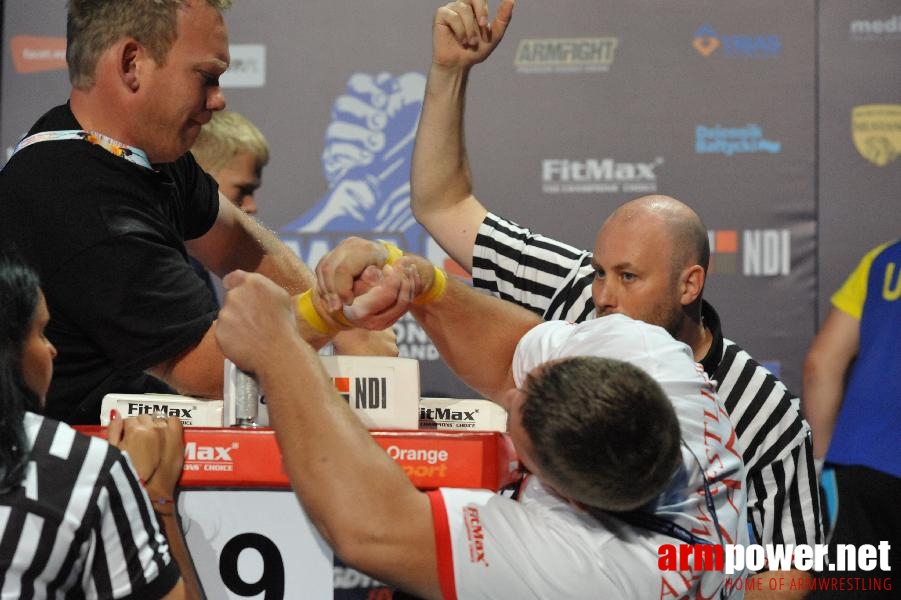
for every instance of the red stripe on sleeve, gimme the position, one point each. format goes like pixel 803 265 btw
pixel 444 551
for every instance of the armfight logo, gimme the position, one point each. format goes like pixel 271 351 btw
pixel 565 55
pixel 366 162
pixel 733 140
pixel 876 131
pixel 708 42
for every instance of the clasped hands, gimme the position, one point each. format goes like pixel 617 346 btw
pixel 360 283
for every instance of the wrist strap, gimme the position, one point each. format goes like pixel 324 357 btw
pixel 307 310
pixel 394 252
pixel 436 290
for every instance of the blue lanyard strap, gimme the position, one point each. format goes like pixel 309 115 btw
pixel 129 153
pixel 657 524
pixel 660 525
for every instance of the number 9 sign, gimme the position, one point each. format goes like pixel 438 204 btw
pixel 255 544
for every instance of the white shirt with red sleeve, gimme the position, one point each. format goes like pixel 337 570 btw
pixel 542 547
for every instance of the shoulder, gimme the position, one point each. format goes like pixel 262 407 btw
pixel 647 346
pixel 498 231
pixel 188 174
pixel 55 438
pixel 741 380
pixel 615 336
pixel 57 118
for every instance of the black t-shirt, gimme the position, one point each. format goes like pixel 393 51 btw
pixel 107 238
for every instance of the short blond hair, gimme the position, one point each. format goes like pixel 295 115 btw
pixel 92 26
pixel 227 134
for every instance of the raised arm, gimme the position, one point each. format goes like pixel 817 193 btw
pixel 825 367
pixel 441 181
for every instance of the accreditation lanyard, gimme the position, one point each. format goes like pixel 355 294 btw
pixel 129 153
pixel 660 525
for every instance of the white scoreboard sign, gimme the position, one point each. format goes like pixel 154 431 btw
pixel 255 544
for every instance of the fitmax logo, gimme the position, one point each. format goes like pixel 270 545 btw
pixel 195 452
pixel 446 414
pixel 594 175
pixel 140 408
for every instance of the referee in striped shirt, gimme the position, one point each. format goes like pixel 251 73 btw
pixel 76 520
pixel 650 263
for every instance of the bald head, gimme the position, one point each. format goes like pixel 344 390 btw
pixel 675 221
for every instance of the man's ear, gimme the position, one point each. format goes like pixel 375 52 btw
pixel 691 284
pixel 129 57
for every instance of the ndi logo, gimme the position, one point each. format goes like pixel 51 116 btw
pixel 733 140
pixel 707 42
pixel 565 55
pixel 371 392
pixel 762 253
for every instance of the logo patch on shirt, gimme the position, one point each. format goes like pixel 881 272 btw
pixel 475 534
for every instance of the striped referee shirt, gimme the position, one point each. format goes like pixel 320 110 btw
pixel 554 280
pixel 80 525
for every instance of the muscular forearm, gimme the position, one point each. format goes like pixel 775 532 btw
pixel 476 335
pixel 239 241
pixel 335 467
pixel 440 177
pixel 281 265
pixel 441 181
pixel 264 253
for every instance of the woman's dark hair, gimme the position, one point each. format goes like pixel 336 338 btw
pixel 19 293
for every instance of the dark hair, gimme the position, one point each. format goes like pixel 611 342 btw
pixel 603 432
pixel 19 293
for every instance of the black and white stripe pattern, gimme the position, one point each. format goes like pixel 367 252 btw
pixel 80 523
pixel 554 280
